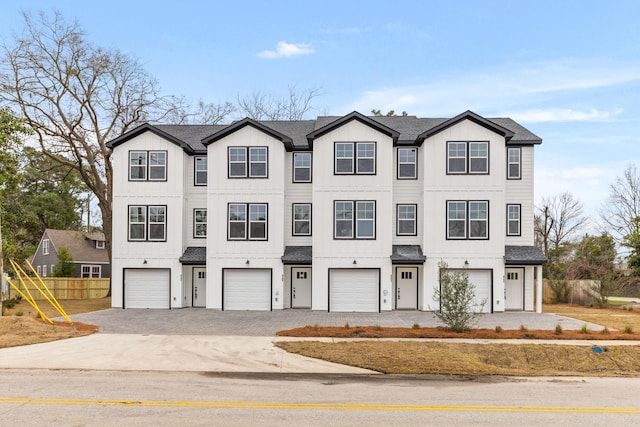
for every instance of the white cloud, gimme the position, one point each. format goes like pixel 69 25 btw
pixel 505 88
pixel 562 115
pixel 286 50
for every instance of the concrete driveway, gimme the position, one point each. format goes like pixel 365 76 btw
pixel 200 321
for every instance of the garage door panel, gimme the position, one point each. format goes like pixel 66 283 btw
pixel 355 290
pixel 147 288
pixel 482 280
pixel 247 289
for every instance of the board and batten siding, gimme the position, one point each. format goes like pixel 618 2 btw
pixel 297 192
pixel 520 191
pixel 224 254
pixel 328 187
pixel 409 192
pixel 168 193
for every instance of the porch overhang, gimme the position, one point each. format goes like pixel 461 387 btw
pixel 194 255
pixel 407 254
pixel 297 255
pixel 523 255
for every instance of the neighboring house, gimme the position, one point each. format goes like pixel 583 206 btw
pixel 88 251
pixel 350 213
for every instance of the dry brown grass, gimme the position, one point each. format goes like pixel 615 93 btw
pixel 407 357
pixel 26 329
pixel 612 318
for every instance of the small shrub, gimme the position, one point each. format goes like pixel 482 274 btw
pixel 315 326
pixel 416 326
pixel 558 330
pixel 498 329
pixel 19 313
pixel 560 291
pixel 523 328
pixel 605 331
pixel 377 328
pixel 346 325
pixel 628 329
pixel 584 329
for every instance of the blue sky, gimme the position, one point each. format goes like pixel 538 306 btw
pixel 567 70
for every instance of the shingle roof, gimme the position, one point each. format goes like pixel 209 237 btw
pixel 297 255
pixel 194 256
pixel 405 130
pixel 80 245
pixel 407 254
pixel 523 255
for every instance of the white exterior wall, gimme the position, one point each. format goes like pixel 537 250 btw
pixel 440 188
pixel 409 192
pixel 520 191
pixel 222 253
pixel 327 187
pixel 170 193
pixel 297 192
pixel 529 287
pixel 195 198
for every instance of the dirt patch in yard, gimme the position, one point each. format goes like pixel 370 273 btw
pixel 20 326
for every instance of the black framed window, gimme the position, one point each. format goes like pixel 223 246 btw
pixel 257 162
pixel 301 167
pixel 514 163
pixel 513 220
pixel 247 221
pixel 355 219
pixel 199 223
pixel 357 158
pixel 406 220
pixel 147 165
pixel 407 163
pixel 467 157
pixel 248 162
pixel 147 223
pixel 237 162
pixel 200 170
pixel 468 219
pixel 301 219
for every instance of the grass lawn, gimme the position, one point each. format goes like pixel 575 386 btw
pixel 612 318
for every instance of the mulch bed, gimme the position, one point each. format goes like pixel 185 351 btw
pixel 384 332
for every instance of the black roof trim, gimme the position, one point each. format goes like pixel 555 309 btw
pixel 467 115
pixel 146 127
pixel 407 254
pixel 349 117
pixel 286 140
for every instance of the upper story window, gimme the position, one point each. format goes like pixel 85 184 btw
pixel 45 247
pixel 148 223
pixel 247 221
pixel 302 219
pixel 407 163
pixel 147 165
pixel 301 167
pixel 100 244
pixel 199 223
pixel 357 158
pixel 513 220
pixel 406 220
pixel 248 162
pixel 354 219
pixel 468 219
pixel 467 157
pixel 200 170
pixel 514 163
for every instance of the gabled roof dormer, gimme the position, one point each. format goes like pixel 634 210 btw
pixel 467 115
pixel 234 127
pixel 146 127
pixel 393 134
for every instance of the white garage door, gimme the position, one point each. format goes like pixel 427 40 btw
pixel 248 289
pixel 483 283
pixel 354 290
pixel 147 288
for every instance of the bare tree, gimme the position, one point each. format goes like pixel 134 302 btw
pixel 262 106
pixel 558 221
pixel 202 113
pixel 620 213
pixel 77 96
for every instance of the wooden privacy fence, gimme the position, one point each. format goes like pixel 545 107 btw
pixel 69 288
pixel 578 291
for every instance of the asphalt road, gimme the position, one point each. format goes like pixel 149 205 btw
pixel 87 398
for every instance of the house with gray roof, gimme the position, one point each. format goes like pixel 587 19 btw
pixel 339 213
pixel 88 251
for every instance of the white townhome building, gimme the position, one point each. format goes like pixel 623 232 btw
pixel 350 213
